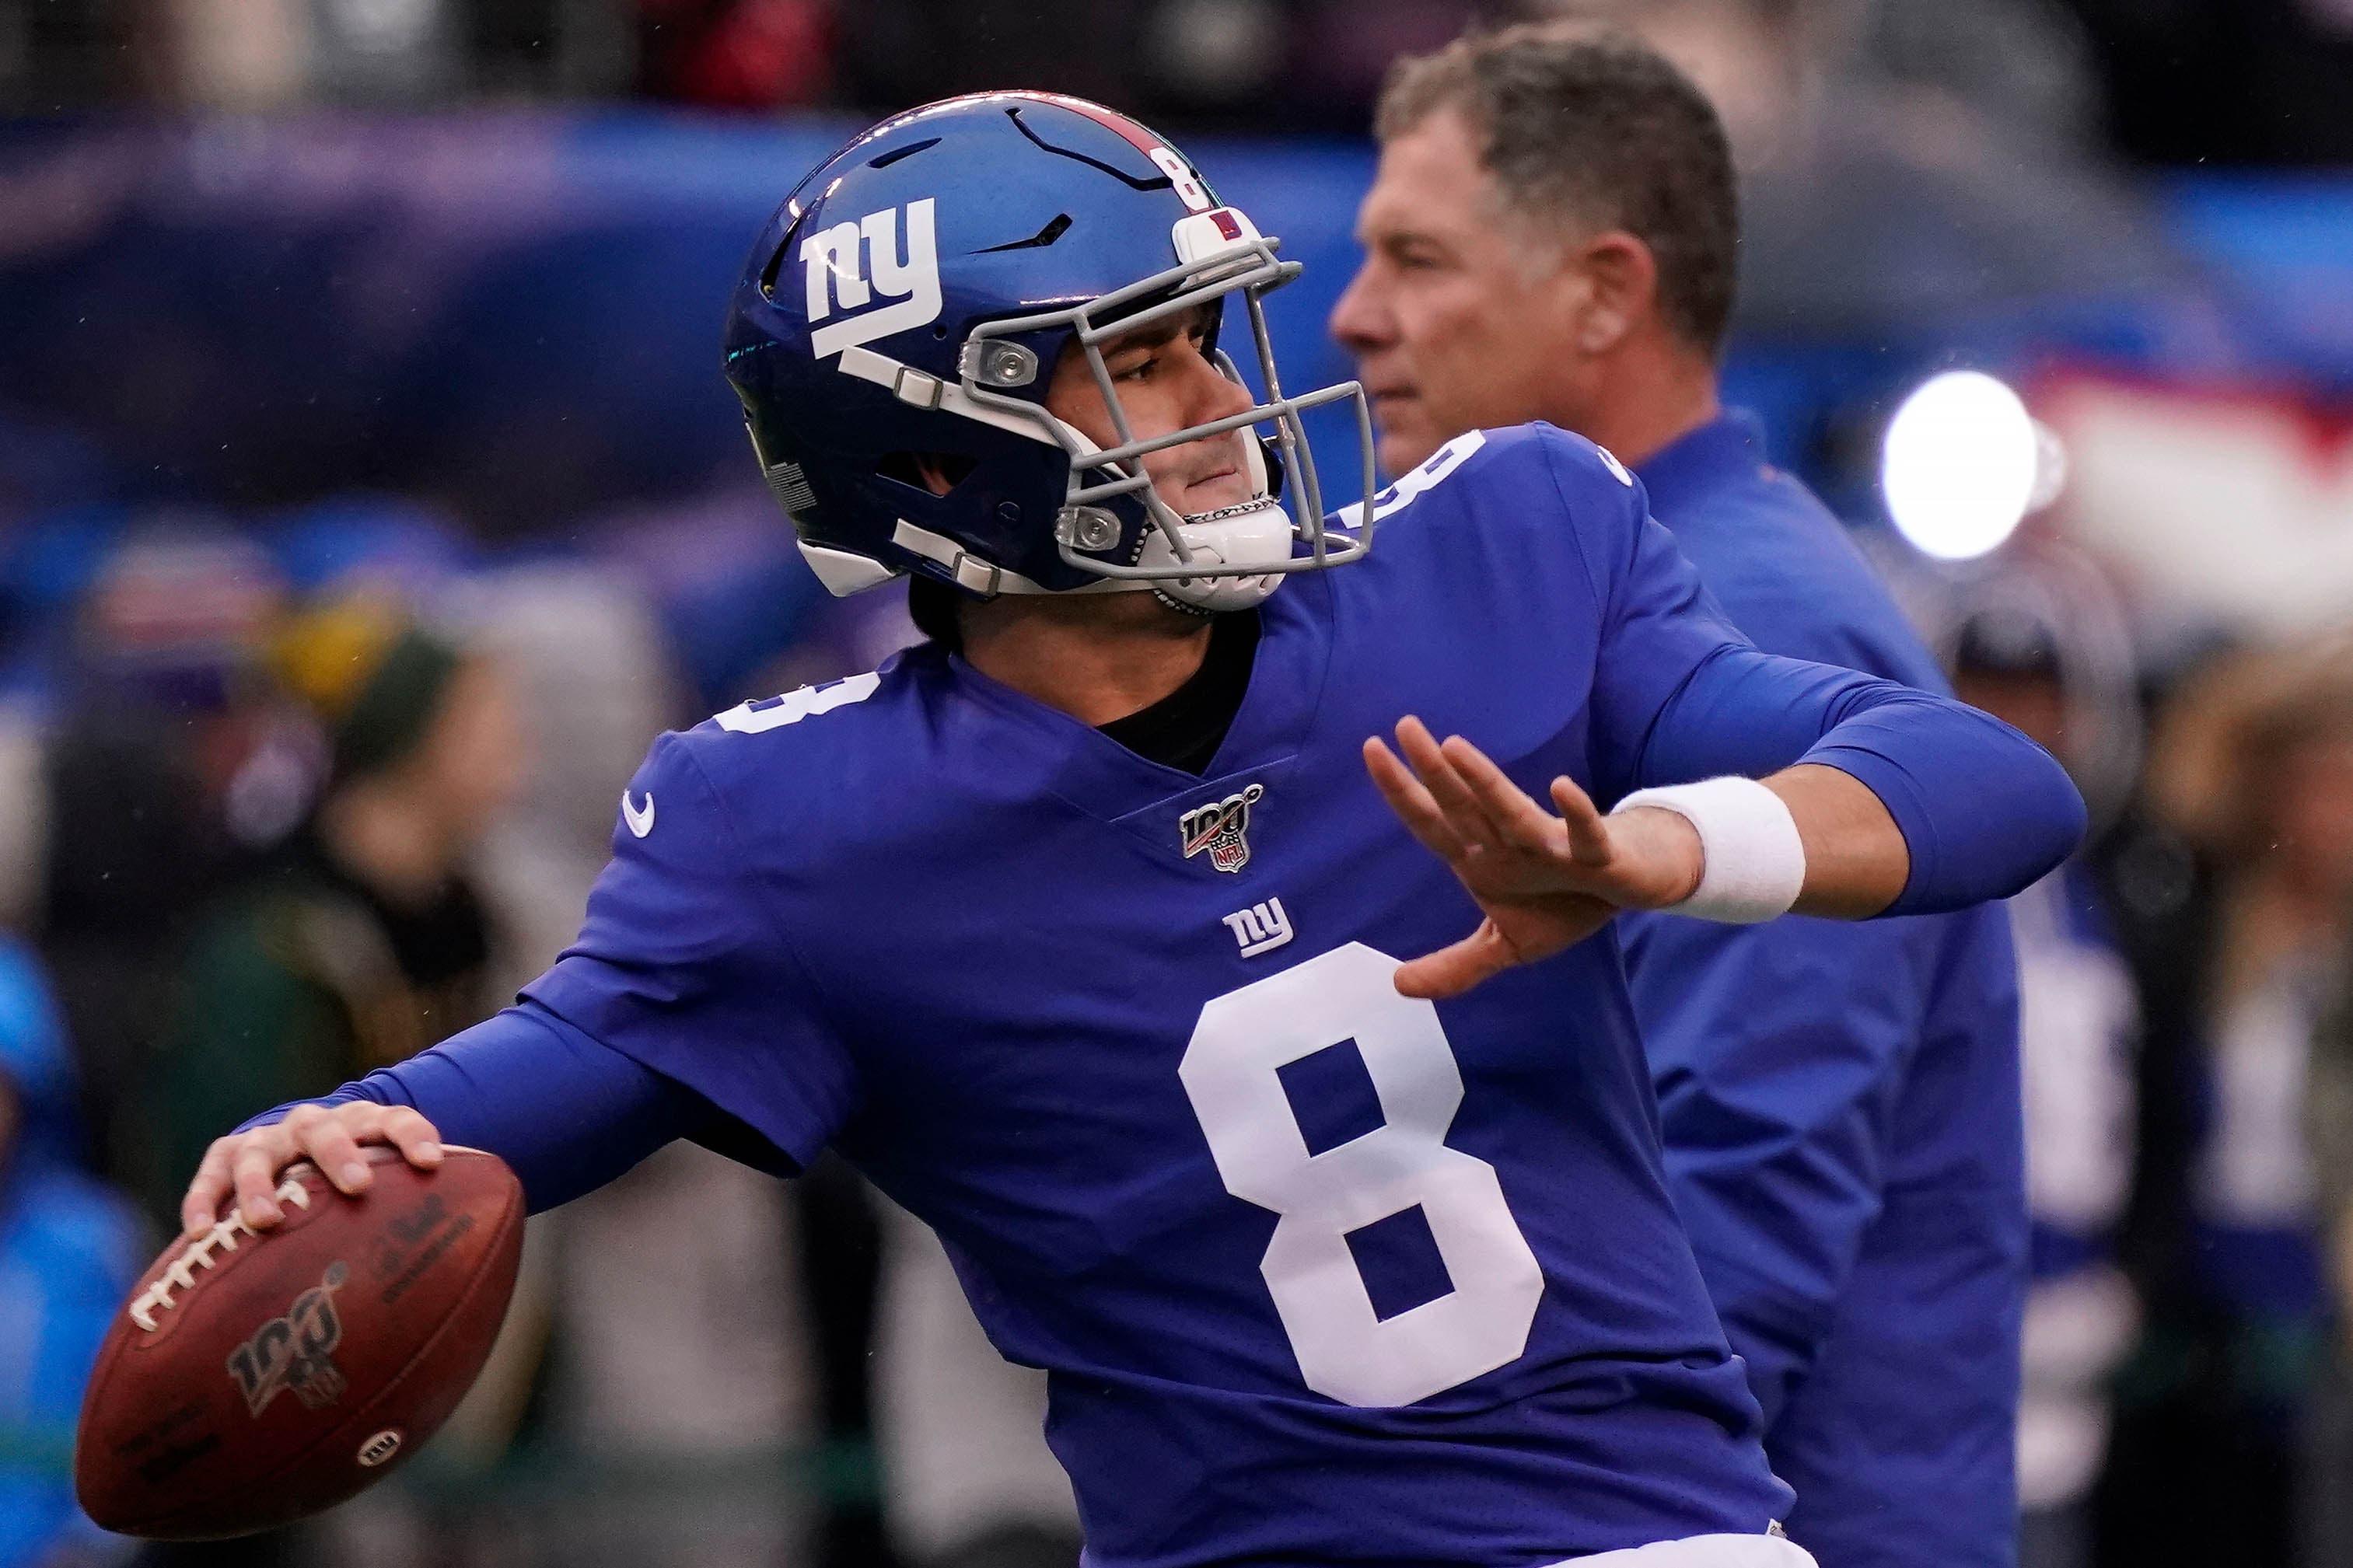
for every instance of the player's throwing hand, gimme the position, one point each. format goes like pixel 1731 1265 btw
pixel 246 1164
pixel 1543 882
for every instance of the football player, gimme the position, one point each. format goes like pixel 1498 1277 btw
pixel 1079 927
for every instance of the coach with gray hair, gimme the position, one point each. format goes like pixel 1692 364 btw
pixel 1552 236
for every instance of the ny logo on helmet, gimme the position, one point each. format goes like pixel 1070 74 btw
pixel 833 258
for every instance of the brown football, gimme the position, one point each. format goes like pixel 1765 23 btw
pixel 253 1380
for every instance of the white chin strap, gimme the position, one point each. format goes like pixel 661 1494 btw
pixel 1257 533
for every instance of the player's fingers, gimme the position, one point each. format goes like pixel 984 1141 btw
pixel 1413 802
pixel 1463 812
pixel 333 1144
pixel 200 1208
pixel 1518 821
pixel 1588 833
pixel 407 1130
pixel 253 1170
pixel 1457 967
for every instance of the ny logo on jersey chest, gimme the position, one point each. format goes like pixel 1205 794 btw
pixel 1220 829
pixel 1262 928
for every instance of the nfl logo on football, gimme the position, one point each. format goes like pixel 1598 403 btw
pixel 1220 829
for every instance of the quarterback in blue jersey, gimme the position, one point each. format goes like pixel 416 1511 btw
pixel 1079 927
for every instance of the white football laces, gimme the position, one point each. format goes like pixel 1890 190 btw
pixel 180 1274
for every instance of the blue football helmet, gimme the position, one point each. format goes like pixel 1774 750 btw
pixel 906 306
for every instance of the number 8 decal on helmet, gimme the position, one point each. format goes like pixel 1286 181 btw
pixel 1189 190
pixel 1346 1350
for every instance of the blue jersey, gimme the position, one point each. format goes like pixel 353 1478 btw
pixel 1320 1273
pixel 1840 1105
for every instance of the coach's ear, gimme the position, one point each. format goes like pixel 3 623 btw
pixel 1622 288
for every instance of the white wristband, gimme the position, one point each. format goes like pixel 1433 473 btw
pixel 1753 863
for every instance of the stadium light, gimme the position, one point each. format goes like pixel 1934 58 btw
pixel 1964 463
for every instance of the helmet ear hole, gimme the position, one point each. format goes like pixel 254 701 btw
pixel 934 473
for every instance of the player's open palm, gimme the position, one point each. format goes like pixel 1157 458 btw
pixel 1544 882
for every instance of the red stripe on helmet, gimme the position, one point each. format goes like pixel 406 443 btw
pixel 1142 141
pixel 1127 129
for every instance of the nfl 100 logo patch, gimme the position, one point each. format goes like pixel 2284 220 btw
pixel 1222 829
pixel 295 1351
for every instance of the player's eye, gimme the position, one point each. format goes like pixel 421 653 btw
pixel 1140 371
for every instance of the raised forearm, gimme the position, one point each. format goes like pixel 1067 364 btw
pixel 1983 811
pixel 1856 860
pixel 1978 810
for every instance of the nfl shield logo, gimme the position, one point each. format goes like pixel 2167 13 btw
pixel 1220 829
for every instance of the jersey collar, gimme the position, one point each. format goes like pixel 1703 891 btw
pixel 1087 768
pixel 1727 449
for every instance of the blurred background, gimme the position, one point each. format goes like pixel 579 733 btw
pixel 341 337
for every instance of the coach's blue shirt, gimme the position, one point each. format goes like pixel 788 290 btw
pixel 1841 1104
pixel 1321 1274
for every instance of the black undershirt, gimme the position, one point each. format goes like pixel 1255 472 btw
pixel 1184 729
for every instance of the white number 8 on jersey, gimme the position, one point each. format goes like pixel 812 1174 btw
pixel 1346 1351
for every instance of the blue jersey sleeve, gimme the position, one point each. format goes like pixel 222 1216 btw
pixel 682 965
pixel 566 1114
pixel 1679 694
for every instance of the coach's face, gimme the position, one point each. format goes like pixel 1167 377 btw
pixel 1460 317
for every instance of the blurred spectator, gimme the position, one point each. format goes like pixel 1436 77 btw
pixel 171 762
pixel 368 942
pixel 2025 659
pixel 69 1252
pixel 2254 766
pixel 595 680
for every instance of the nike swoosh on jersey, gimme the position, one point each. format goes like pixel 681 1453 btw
pixel 641 819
